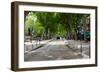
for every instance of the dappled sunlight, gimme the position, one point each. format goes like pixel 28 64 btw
pixel 56 36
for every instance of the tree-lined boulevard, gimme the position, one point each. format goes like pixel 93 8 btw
pixel 56 36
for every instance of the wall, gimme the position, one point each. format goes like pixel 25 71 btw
pixel 5 34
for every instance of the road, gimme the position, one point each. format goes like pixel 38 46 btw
pixel 54 50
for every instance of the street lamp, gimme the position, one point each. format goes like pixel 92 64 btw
pixel 80 38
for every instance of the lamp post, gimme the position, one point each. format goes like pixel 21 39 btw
pixel 80 38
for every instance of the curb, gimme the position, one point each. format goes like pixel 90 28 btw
pixel 40 46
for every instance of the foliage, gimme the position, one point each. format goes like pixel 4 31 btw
pixel 51 24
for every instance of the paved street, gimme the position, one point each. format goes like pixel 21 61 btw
pixel 55 50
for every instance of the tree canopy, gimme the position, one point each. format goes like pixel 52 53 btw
pixel 52 24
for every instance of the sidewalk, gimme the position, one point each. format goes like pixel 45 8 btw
pixel 29 46
pixel 80 47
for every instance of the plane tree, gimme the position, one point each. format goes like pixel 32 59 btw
pixel 51 24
